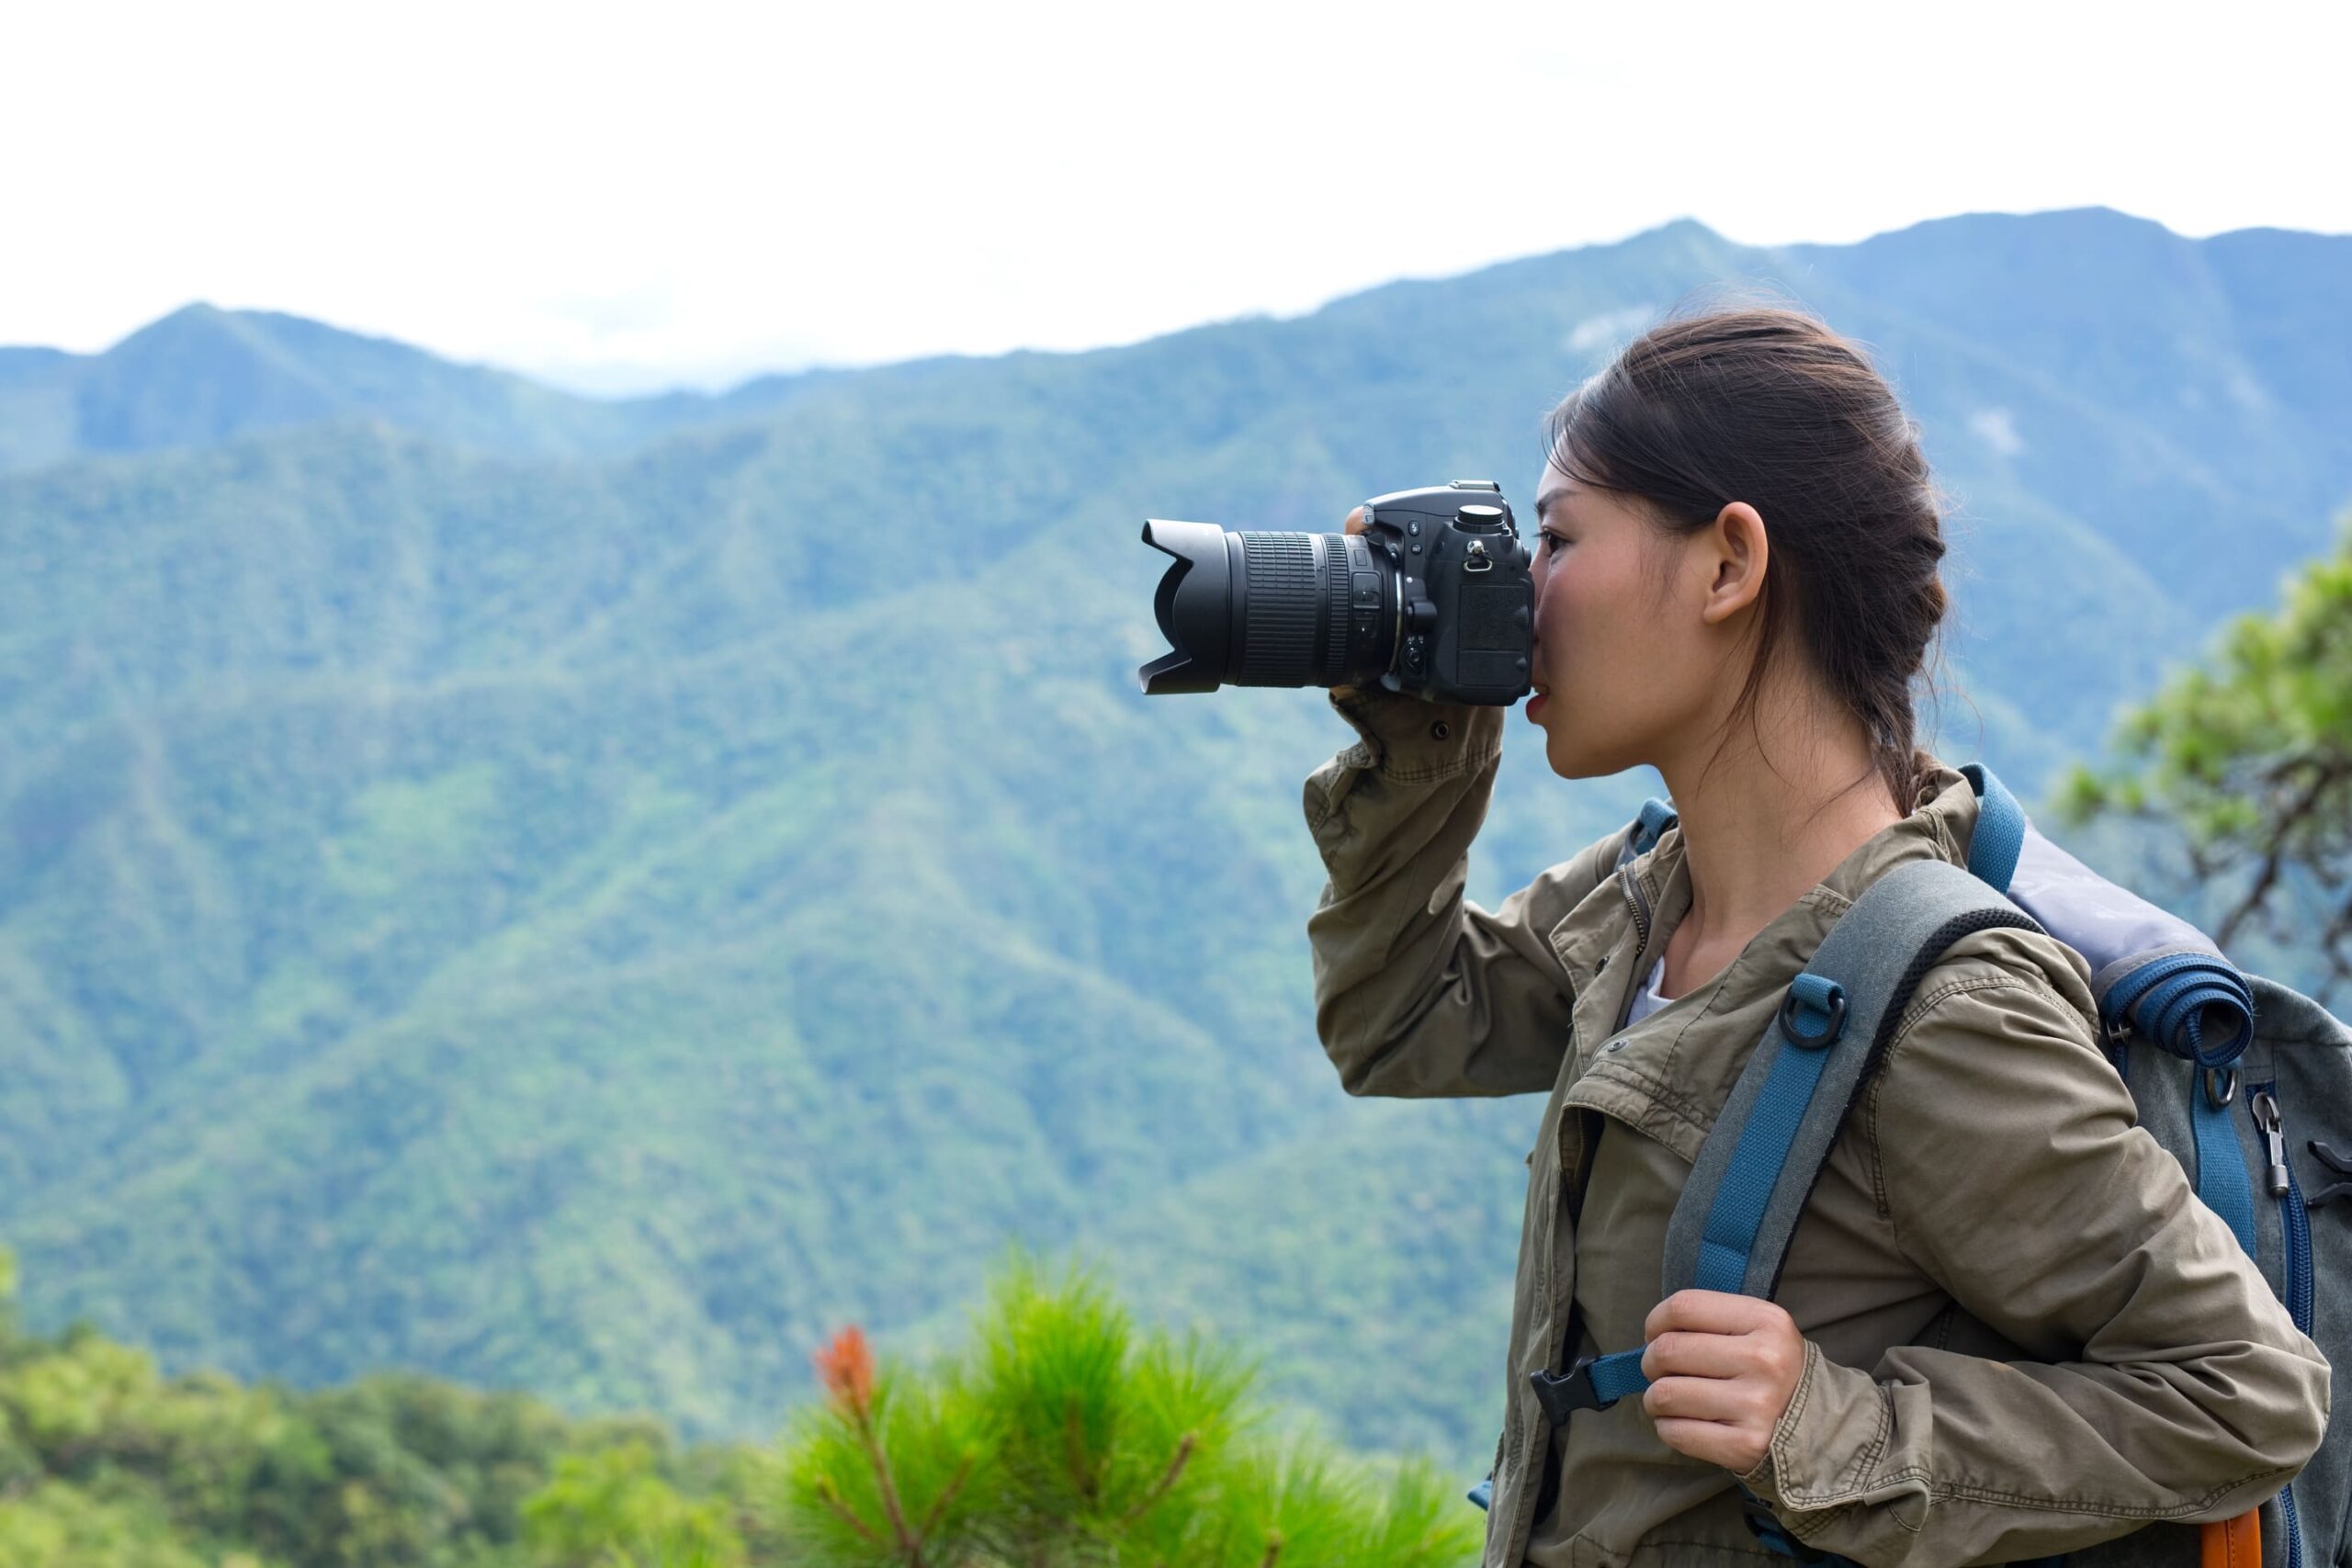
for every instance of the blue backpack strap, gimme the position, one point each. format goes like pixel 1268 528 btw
pixel 1656 817
pixel 1999 838
pixel 1731 1227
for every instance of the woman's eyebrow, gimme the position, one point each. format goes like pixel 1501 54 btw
pixel 1544 501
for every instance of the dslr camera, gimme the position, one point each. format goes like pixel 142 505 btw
pixel 1433 599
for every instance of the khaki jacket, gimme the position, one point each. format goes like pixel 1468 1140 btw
pixel 2025 1334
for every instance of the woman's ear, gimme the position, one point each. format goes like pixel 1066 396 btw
pixel 1735 552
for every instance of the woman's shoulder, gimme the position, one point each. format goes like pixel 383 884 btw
pixel 2024 985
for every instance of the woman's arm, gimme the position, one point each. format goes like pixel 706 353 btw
pixel 1418 991
pixel 2173 1386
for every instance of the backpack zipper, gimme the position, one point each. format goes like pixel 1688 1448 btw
pixel 2296 1219
pixel 2295 1226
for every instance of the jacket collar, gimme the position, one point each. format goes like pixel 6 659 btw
pixel 1637 908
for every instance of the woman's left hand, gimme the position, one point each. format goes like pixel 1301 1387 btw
pixel 1722 1369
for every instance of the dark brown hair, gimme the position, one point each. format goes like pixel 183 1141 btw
pixel 1769 406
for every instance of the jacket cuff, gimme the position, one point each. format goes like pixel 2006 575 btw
pixel 1825 1442
pixel 1412 741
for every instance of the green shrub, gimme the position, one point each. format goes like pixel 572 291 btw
pixel 1061 1436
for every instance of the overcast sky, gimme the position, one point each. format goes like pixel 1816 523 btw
pixel 626 196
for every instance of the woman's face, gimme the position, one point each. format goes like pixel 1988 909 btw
pixel 1618 655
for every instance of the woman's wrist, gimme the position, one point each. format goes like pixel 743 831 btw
pixel 1411 741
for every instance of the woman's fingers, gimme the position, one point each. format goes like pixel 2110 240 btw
pixel 1711 1311
pixel 1712 1443
pixel 1723 1367
pixel 1683 1354
pixel 1730 1400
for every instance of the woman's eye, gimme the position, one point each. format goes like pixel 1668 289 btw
pixel 1552 540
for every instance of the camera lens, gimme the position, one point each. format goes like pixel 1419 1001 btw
pixel 1269 609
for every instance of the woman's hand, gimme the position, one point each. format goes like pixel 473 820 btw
pixel 1722 1369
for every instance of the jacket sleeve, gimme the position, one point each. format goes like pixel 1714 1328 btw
pixel 1418 991
pixel 2169 1381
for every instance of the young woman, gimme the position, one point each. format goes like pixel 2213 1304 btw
pixel 2005 1328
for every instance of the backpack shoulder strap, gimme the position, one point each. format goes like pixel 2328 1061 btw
pixel 1731 1227
pixel 1656 817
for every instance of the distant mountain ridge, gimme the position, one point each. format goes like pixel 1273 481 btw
pixel 203 375
pixel 591 896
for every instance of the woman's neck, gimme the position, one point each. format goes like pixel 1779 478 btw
pixel 1760 830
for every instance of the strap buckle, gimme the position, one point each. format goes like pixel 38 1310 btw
pixel 1573 1390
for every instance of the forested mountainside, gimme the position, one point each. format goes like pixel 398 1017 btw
pixel 581 896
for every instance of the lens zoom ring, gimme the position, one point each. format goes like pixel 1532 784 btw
pixel 1335 597
pixel 1278 620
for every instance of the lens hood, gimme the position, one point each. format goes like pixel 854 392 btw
pixel 1194 606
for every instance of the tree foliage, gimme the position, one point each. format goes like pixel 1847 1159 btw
pixel 104 1462
pixel 1057 1435
pixel 1061 1436
pixel 2250 755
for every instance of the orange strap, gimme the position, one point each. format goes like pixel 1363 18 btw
pixel 2235 1543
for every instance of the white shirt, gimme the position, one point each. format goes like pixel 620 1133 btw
pixel 1647 1001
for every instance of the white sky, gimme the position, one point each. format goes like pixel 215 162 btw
pixel 625 196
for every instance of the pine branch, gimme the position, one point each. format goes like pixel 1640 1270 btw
pixel 890 1490
pixel 831 1499
pixel 946 1496
pixel 1168 1478
pixel 1081 1475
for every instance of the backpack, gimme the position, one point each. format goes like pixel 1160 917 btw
pixel 2232 1072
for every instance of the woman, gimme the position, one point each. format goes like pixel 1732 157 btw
pixel 2005 1329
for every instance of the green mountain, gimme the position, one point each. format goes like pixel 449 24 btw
pixel 589 896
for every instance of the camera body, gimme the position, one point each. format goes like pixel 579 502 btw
pixel 1465 596
pixel 1433 599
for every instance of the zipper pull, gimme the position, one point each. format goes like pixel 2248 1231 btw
pixel 2274 1140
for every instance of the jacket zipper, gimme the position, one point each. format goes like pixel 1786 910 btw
pixel 2295 1228
pixel 1637 901
pixel 1533 1451
pixel 1629 888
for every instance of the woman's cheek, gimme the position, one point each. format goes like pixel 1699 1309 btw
pixel 1555 621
